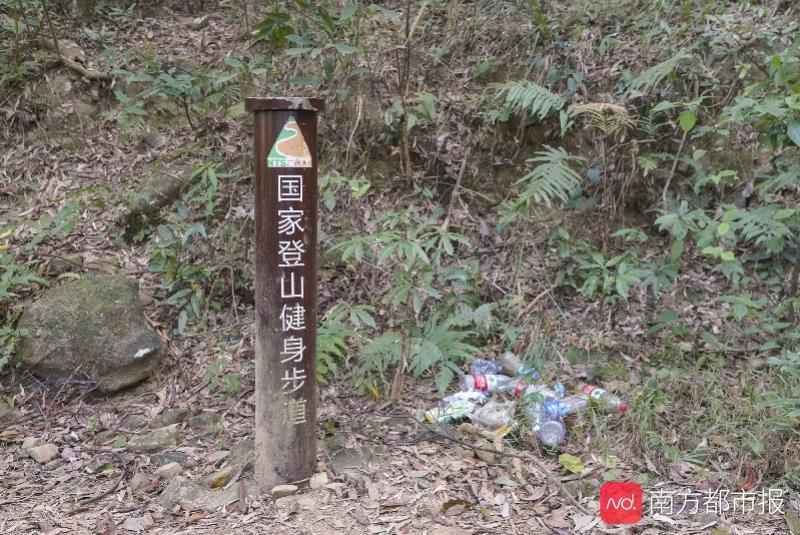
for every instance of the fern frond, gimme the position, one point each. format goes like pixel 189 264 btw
pixel 552 180
pixel 790 178
pixel 528 99
pixel 608 118
pixel 648 79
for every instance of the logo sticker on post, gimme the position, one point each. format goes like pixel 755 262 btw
pixel 290 149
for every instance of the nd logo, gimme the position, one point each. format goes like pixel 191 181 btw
pixel 621 502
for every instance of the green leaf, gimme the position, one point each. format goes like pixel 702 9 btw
pixel 676 250
pixel 723 228
pixel 687 120
pixel 793 131
pixel 571 463
pixel 793 521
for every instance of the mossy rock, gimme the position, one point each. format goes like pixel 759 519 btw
pixel 90 328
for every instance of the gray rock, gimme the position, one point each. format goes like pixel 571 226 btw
pixel 180 491
pixel 140 481
pixel 243 454
pixel 318 480
pixel 31 442
pixel 206 423
pixel 169 417
pixel 43 454
pixel 155 440
pixel 167 457
pixel 351 459
pixel 283 490
pixel 94 328
pixel 168 471
pixel 192 496
pixel 200 22
pixel 221 477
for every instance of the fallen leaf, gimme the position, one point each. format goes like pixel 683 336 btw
pixel 558 519
pixel 571 463
pixel 134 524
pixel 793 521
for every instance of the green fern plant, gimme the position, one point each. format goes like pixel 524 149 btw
pixel 552 180
pixel 648 79
pixel 610 119
pixel 527 99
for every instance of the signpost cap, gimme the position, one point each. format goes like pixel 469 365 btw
pixel 284 104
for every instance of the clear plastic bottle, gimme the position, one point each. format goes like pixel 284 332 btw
pixel 456 407
pixel 574 404
pixel 535 393
pixel 604 398
pixel 485 367
pixel 546 422
pixel 489 383
pixel 495 414
pixel 513 365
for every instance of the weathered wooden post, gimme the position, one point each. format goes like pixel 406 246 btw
pixel 285 287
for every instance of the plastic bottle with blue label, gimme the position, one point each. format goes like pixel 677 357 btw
pixel 513 365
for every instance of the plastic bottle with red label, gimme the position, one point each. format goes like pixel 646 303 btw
pixel 490 383
pixel 604 398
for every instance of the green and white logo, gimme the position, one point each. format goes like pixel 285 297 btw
pixel 290 149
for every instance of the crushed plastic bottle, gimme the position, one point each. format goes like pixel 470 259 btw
pixel 547 422
pixel 485 367
pixel 512 365
pixel 495 414
pixel 456 407
pixel 604 398
pixel 574 404
pixel 535 393
pixel 490 383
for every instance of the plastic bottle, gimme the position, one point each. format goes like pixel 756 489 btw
pixel 604 398
pixel 485 367
pixel 546 422
pixel 574 404
pixel 489 383
pixel 512 365
pixel 535 393
pixel 456 407
pixel 494 415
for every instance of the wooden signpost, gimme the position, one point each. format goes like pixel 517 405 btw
pixel 285 287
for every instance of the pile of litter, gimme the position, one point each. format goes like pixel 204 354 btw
pixel 494 389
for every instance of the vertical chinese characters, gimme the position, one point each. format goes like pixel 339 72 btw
pixel 291 260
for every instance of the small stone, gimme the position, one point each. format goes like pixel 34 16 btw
pixel 206 423
pixel 167 457
pixel 30 443
pixel 318 480
pixel 283 490
pixel 181 491
pixel 200 22
pixel 169 417
pixel 43 454
pixel 69 454
pixel 157 439
pixel 221 477
pixel 168 471
pixel 134 524
pixel 486 456
pixel 139 481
